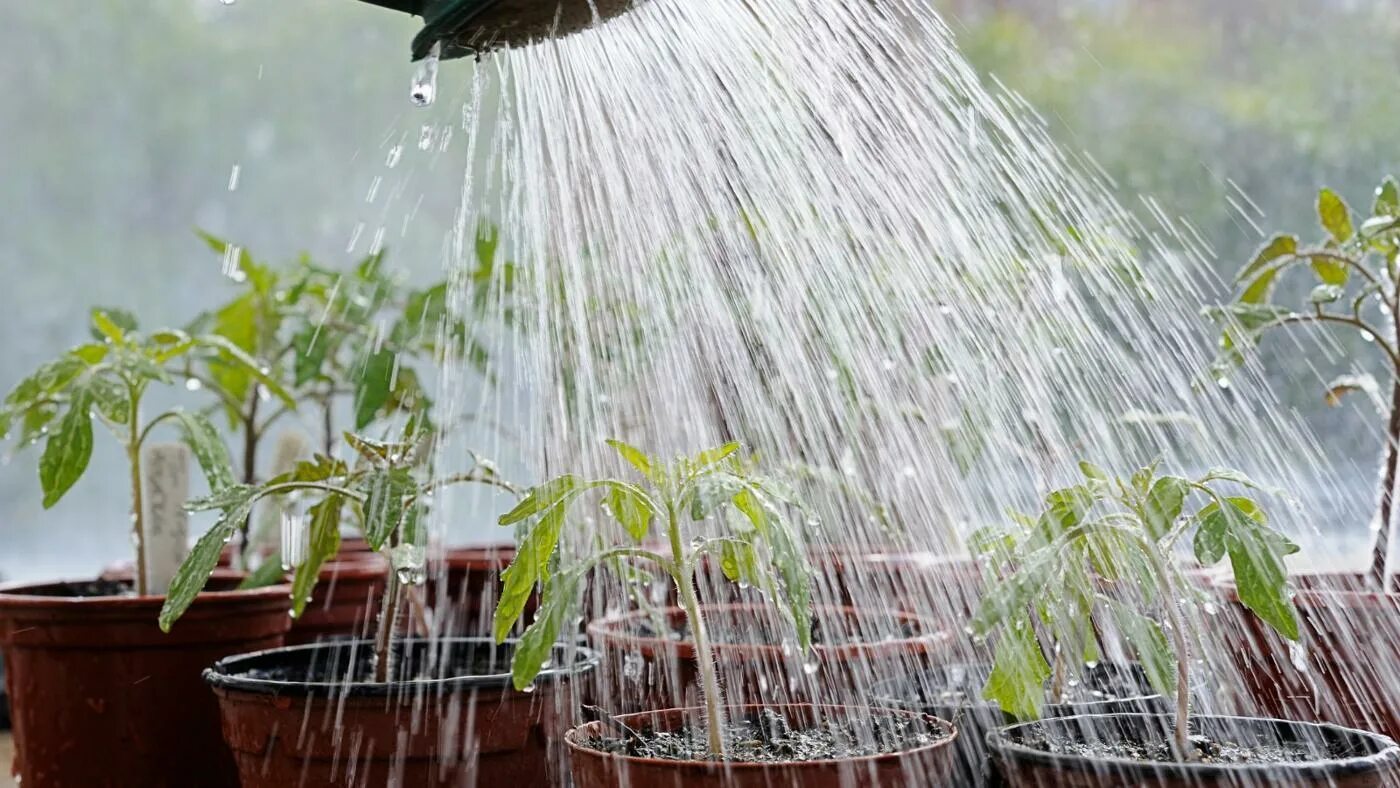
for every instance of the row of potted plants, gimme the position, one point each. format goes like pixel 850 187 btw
pixel 105 676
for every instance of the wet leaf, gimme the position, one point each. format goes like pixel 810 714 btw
pixel 529 568
pixel 236 503
pixel 1325 294
pixel 386 491
pixel 1278 247
pixel 536 646
pixel 373 386
pixel 112 324
pixel 634 457
pixel 1019 672
pixel 323 542
pixel 1092 471
pixel 540 498
pixel 1387 199
pixel 1335 216
pixel 269 573
pixel 1262 580
pixel 631 508
pixel 208 448
pixel 1151 646
pixel 1332 273
pixel 68 450
pixel 1163 505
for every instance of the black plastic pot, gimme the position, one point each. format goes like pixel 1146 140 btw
pixel 459 723
pixel 954 692
pixel 1345 757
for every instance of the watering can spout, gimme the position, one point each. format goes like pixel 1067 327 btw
pixel 461 28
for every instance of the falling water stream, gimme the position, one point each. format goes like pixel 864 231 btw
pixel 809 226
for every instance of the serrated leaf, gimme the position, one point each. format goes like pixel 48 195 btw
pixel 788 557
pixel 236 503
pixel 1163 505
pixel 373 386
pixel 386 491
pixel 634 457
pixel 1261 579
pixel 529 568
pixel 540 498
pixel 1147 640
pixel 631 508
pixel 536 646
pixel 208 448
pixel 68 450
pixel 1335 216
pixel 1019 672
pixel 1278 247
pixel 323 542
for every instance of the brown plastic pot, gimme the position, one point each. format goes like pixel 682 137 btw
pixel 927 765
pixel 450 731
pixel 343 602
pixel 101 697
pixel 1350 633
pixel 470 585
pixel 641 672
pixel 1370 758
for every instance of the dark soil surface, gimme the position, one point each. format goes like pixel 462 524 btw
pixel 736 629
pixel 1207 750
pixel 770 738
pixel 86 588
pixel 333 666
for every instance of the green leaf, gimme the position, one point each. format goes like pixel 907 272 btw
pixel 1325 294
pixel 208 448
pixel 557 600
pixel 46 382
pixel 634 456
pixel 739 562
pixel 709 457
pixel 1209 540
pixel 789 558
pixel 192 575
pixel 311 346
pixel 378 452
pixel 1163 505
pixel 111 398
pixel 631 508
pixel 1387 199
pixel 374 385
pixel 1331 271
pixel 540 498
pixel 1154 651
pixel 1335 216
pixel 386 491
pixel 269 573
pixel 68 449
pixel 1092 471
pixel 1229 475
pixel 529 568
pixel 112 324
pixel 1019 672
pixel 235 357
pixel 1278 247
pixel 323 542
pixel 1261 578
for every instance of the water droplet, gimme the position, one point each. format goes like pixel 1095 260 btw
pixel 192 384
pixel 395 153
pixel 1091 664
pixel 425 78
pixel 1210 608
pixel 1366 336
pixel 228 2
pixel 425 137
pixel 528 688
pixel 1298 655
pixel 233 178
pixel 1222 383
pixel 810 668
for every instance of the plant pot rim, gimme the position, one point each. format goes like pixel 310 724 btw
pixel 999 741
pixel 478 556
pixel 611 629
pixel 881 693
pixel 19 595
pixel 223 676
pixel 575 746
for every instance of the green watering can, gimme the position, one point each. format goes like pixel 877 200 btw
pixel 473 27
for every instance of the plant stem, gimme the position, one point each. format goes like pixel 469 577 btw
pixel 684 577
pixel 388 622
pixel 250 460
pixel 1380 556
pixel 133 455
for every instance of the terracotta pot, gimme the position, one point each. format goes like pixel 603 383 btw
pixel 927 765
pixel 1350 637
pixel 469 587
pixel 641 671
pixel 450 731
pixel 1370 760
pixel 344 603
pixel 101 697
pixel 954 692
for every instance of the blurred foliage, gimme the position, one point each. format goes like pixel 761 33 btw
pixel 1231 115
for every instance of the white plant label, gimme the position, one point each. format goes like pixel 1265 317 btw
pixel 167 471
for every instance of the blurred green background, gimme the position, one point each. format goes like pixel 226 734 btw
pixel 122 129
